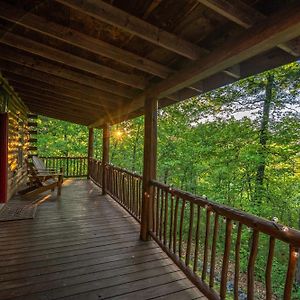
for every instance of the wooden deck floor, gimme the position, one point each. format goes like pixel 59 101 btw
pixel 85 246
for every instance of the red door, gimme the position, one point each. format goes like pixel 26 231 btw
pixel 3 156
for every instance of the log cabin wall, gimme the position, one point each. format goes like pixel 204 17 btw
pixel 18 136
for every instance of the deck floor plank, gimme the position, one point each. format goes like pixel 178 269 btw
pixel 84 246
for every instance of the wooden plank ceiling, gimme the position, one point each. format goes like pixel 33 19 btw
pixel 92 62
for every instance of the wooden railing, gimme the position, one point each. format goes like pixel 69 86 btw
pixel 72 166
pixel 124 186
pixel 224 251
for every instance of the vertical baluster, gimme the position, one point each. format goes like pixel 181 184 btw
pixel 175 225
pixel 268 275
pixel 237 262
pixel 213 251
pixel 166 217
pixel 251 265
pixel 225 264
pixel 290 272
pixel 190 235
pixel 161 214
pixel 157 211
pixel 197 238
pixel 181 228
pixel 206 242
pixel 171 222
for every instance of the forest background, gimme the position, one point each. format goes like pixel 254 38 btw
pixel 238 145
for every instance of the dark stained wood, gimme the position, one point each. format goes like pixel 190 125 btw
pixel 149 166
pixel 237 262
pixel 90 150
pixel 225 263
pixel 251 266
pixel 268 277
pixel 61 71
pixel 262 37
pixel 293 257
pixel 116 17
pixel 83 41
pixel 33 47
pixel 105 157
pixel 243 15
pixel 81 246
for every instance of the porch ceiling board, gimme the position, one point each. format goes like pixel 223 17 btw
pixel 261 38
pixel 44 87
pixel 98 55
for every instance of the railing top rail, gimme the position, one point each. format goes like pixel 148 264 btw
pixel 63 157
pixel 281 232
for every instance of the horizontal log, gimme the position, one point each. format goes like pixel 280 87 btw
pixel 265 36
pixel 78 39
pixel 13 70
pixel 57 115
pixel 8 54
pixel 129 23
pixel 243 15
pixel 36 48
pixel 48 89
pixel 60 105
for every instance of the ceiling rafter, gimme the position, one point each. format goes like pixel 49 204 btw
pixel 86 42
pixel 48 87
pixel 60 71
pixel 129 23
pixel 243 15
pixel 36 48
pixel 276 29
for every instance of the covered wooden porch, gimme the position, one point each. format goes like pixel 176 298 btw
pixel 85 246
pixel 97 63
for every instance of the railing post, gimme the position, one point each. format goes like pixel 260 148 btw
pixel 3 156
pixel 90 150
pixel 105 157
pixel 149 169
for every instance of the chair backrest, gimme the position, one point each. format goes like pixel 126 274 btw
pixel 38 163
pixel 33 173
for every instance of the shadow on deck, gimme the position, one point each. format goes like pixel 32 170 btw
pixel 85 246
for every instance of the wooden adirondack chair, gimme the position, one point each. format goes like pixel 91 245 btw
pixel 40 182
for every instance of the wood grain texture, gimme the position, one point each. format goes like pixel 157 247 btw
pixel 83 246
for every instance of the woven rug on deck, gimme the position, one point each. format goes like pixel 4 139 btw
pixel 17 211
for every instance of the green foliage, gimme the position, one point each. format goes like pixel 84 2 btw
pixel 210 145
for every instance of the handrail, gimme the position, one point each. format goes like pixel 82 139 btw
pixel 73 166
pixel 198 234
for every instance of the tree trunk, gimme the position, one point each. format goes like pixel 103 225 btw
pixel 297 278
pixel 263 139
pixel 133 168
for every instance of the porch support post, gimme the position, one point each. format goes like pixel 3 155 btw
pixel 105 157
pixel 149 171
pixel 90 150
pixel 3 156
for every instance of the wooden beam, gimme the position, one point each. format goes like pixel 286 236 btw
pixel 83 41
pixel 56 115
pixel 105 157
pixel 60 71
pixel 276 29
pixel 59 103
pixel 235 11
pixel 149 167
pixel 86 91
pixel 129 23
pixel 78 96
pixel 60 107
pixel 243 15
pixel 36 48
pixel 90 150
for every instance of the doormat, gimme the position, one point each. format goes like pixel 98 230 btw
pixel 17 211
